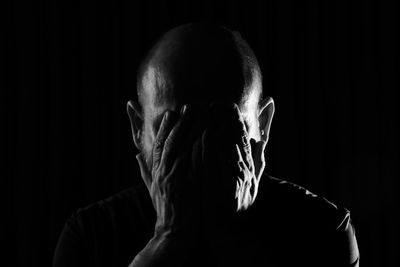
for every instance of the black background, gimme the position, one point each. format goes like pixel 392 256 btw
pixel 68 69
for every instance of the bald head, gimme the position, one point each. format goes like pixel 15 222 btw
pixel 198 63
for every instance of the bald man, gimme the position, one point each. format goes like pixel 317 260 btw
pixel 201 127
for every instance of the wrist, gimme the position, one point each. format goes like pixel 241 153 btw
pixel 155 253
pixel 184 230
pixel 179 239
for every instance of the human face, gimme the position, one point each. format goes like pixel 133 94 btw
pixel 160 96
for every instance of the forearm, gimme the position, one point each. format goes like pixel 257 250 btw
pixel 149 256
pixel 162 250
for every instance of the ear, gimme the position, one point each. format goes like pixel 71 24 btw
pixel 136 119
pixel 265 115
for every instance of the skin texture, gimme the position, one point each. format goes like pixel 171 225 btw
pixel 201 128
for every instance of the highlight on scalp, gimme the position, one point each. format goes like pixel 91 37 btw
pixel 204 62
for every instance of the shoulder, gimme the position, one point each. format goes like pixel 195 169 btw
pixel 128 208
pixel 109 230
pixel 297 201
pixel 124 196
pixel 131 200
pixel 304 221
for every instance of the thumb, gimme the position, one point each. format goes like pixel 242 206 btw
pixel 145 173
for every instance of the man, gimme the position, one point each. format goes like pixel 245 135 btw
pixel 201 126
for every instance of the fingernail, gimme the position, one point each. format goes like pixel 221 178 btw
pixel 183 109
pixel 245 141
pixel 130 104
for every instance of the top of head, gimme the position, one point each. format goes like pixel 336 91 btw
pixel 198 63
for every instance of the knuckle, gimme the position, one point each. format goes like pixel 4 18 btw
pixel 169 143
pixel 158 143
pixel 245 139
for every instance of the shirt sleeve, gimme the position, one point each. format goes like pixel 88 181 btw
pixel 338 247
pixel 71 249
pixel 346 242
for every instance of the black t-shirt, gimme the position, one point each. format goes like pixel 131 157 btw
pixel 286 226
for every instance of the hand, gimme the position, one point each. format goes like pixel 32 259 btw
pixel 232 159
pixel 198 176
pixel 233 164
pixel 170 177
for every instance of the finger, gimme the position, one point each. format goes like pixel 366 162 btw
pixel 240 126
pixel 146 176
pixel 162 134
pixel 229 120
pixel 195 130
pixel 209 161
pixel 219 172
pixel 172 144
pixel 179 184
pixel 243 139
pixel 208 147
pixel 177 176
pixel 191 142
pixel 230 131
